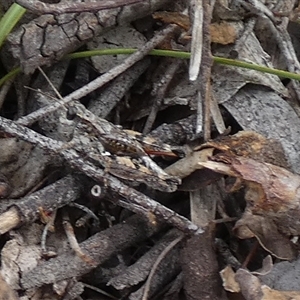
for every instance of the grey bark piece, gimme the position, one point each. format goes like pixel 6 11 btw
pixel 138 272
pixel 253 52
pixel 176 133
pixel 117 89
pixel 50 198
pixel 99 248
pixel 22 164
pixel 284 276
pixel 119 37
pixel 47 39
pixel 261 110
pixel 50 125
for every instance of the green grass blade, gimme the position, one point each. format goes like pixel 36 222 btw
pixel 9 20
pixel 171 53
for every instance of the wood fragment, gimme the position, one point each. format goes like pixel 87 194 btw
pixel 40 7
pixel 99 248
pixel 73 241
pixel 197 40
pixel 50 198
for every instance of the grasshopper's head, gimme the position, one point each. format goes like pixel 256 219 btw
pixel 79 110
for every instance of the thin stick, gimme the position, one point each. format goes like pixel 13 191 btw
pixel 157 262
pixel 39 7
pixel 73 241
pixel 49 224
pixel 160 93
pixel 197 41
pixel 50 83
pixel 101 80
pixel 89 215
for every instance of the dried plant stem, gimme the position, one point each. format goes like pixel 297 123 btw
pixel 40 7
pixel 101 80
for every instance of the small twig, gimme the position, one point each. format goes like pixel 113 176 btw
pixel 160 93
pixel 73 241
pixel 259 8
pixel 49 224
pixel 205 72
pixel 287 50
pixel 40 7
pixel 28 209
pixel 216 114
pixel 99 291
pixel 50 83
pixel 4 90
pixel 89 214
pixel 157 262
pixel 197 40
pixel 101 80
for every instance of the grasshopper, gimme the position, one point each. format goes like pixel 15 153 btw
pixel 120 152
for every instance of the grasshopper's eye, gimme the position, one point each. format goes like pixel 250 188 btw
pixel 71 113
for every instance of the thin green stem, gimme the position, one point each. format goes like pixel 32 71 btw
pixel 11 74
pixel 186 55
pixel 9 20
pixel 169 53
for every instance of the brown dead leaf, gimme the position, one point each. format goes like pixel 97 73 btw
pixel 250 144
pixel 229 282
pixel 270 294
pixel 267 234
pixel 223 33
pixel 173 18
pixel 271 191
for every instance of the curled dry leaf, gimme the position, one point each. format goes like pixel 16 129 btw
pixel 228 275
pixel 229 282
pixel 222 33
pixel 267 234
pixel 251 287
pixel 250 144
pixel 272 192
pixel 272 195
pixel 266 268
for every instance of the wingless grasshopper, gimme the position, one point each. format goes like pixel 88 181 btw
pixel 124 154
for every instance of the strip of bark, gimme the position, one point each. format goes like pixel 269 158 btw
pixel 48 199
pixel 99 248
pixel 40 7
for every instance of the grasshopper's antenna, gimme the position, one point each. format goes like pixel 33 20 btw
pixel 51 84
pixel 59 96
